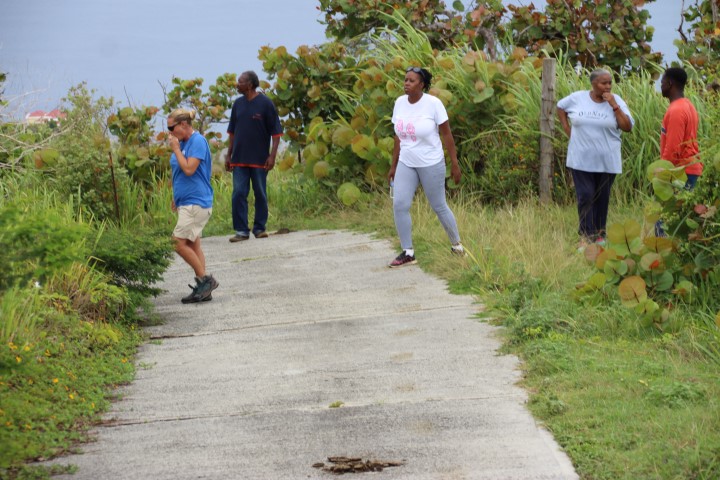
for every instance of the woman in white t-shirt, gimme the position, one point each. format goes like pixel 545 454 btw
pixel 418 159
pixel 596 119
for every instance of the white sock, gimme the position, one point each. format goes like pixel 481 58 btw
pixel 410 252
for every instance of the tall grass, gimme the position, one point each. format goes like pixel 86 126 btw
pixel 89 293
pixel 640 147
pixel 510 243
pixel 289 196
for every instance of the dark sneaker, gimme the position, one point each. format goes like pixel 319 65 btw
pixel 239 238
pixel 200 292
pixel 262 234
pixel 402 260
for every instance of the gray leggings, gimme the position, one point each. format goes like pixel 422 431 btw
pixel 432 180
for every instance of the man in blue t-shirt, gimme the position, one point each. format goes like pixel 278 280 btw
pixel 253 123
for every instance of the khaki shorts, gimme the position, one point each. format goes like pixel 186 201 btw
pixel 191 221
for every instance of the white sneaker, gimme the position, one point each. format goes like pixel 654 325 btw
pixel 458 250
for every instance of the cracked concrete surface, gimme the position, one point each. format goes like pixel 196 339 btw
pixel 241 387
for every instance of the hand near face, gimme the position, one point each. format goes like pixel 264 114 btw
pixel 173 142
pixel 610 98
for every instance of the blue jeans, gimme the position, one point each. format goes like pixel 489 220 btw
pixel 242 177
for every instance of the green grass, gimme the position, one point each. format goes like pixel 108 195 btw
pixel 625 402
pixel 626 409
pixel 53 387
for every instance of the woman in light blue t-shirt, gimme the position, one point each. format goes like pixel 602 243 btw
pixel 594 120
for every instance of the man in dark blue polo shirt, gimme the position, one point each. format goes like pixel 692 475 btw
pixel 254 122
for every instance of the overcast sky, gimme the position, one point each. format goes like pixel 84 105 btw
pixel 127 47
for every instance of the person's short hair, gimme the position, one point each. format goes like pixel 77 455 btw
pixel 252 76
pixel 424 74
pixel 182 115
pixel 677 75
pixel 598 73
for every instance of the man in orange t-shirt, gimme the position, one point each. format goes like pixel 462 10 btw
pixel 678 137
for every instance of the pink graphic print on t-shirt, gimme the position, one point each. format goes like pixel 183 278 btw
pixel 405 131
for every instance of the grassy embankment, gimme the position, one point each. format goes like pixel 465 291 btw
pixel 624 401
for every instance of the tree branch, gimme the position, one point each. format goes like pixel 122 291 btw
pixel 682 21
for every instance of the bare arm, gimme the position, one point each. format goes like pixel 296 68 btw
pixel 563 117
pixel 623 121
pixel 449 143
pixel 270 162
pixel 395 158
pixel 187 165
pixel 228 156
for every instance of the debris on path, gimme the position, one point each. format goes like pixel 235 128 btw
pixel 342 465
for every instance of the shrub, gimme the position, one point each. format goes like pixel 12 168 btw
pixel 83 173
pixel 36 243
pixel 134 259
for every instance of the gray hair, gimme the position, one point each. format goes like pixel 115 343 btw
pixel 598 73
pixel 253 78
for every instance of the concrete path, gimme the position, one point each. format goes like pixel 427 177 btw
pixel 241 387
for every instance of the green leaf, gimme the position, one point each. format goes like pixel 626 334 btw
pixel 603 257
pixel 663 189
pixel 652 262
pixel 631 264
pixel 662 282
pixel 342 136
pixel 659 169
pixel 458 5
pixel 361 146
pixel 692 223
pixel 636 246
pixel 615 267
pixel 484 95
pixel 624 233
pixel 648 307
pixel 703 262
pixel 684 288
pixel 284 94
pixel 660 245
pixel 632 291
pixel 667 172
pixel 597 281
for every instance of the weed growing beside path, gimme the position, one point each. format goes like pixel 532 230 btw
pixel 53 388
pixel 625 402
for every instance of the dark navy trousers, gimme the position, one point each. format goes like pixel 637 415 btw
pixel 592 190
pixel 242 178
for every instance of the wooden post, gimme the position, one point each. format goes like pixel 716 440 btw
pixel 547 126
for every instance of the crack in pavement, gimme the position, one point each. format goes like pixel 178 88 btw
pixel 303 322
pixel 113 423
